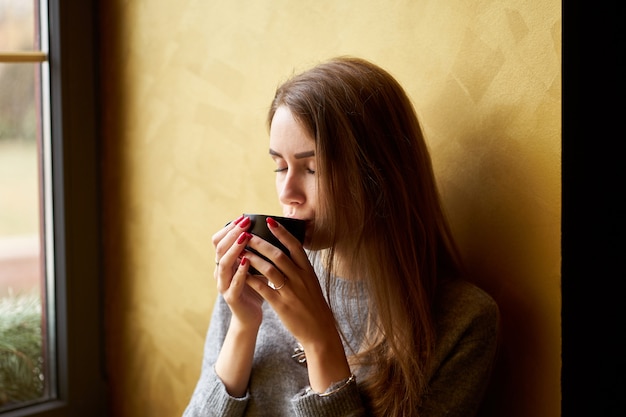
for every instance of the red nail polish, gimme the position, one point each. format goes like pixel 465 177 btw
pixel 245 222
pixel 271 222
pixel 239 219
pixel 243 237
pixel 243 261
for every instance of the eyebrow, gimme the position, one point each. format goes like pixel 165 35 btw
pixel 299 155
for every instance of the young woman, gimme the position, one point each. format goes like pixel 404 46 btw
pixel 371 316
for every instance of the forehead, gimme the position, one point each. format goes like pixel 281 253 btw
pixel 287 136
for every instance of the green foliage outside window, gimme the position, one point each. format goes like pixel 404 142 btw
pixel 21 359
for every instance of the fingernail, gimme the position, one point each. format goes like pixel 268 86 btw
pixel 271 222
pixel 239 219
pixel 243 237
pixel 243 261
pixel 244 222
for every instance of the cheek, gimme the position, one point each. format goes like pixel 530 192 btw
pixel 312 196
pixel 312 191
pixel 279 183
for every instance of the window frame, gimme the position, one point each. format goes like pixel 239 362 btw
pixel 75 166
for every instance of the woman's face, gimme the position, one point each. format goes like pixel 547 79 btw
pixel 293 150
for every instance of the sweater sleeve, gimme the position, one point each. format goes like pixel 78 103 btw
pixel 466 351
pixel 210 398
pixel 343 403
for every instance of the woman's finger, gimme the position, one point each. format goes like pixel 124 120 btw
pixel 270 273
pixel 224 268
pixel 297 255
pixel 224 238
pixel 238 282
pixel 219 235
pixel 269 289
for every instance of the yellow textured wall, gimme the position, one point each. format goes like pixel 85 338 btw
pixel 186 85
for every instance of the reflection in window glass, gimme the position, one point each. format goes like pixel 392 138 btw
pixel 23 321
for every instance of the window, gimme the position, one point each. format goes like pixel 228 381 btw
pixel 55 136
pixel 26 369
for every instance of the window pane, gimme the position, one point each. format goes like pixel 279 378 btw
pixel 17 25
pixel 22 288
pixel 23 319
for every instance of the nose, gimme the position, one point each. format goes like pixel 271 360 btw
pixel 290 190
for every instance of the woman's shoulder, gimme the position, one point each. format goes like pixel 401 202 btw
pixel 460 289
pixel 460 304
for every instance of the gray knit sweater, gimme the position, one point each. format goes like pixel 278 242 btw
pixel 467 325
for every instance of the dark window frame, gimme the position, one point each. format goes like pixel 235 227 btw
pixel 79 347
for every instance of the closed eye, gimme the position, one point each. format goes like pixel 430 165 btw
pixel 308 170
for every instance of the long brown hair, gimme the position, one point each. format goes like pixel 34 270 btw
pixel 383 208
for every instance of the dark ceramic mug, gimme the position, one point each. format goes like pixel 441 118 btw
pixel 258 227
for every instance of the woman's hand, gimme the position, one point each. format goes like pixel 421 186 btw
pixel 299 302
pixel 231 272
pixel 234 362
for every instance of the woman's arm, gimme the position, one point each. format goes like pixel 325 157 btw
pixel 234 362
pixel 210 397
pixel 236 319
